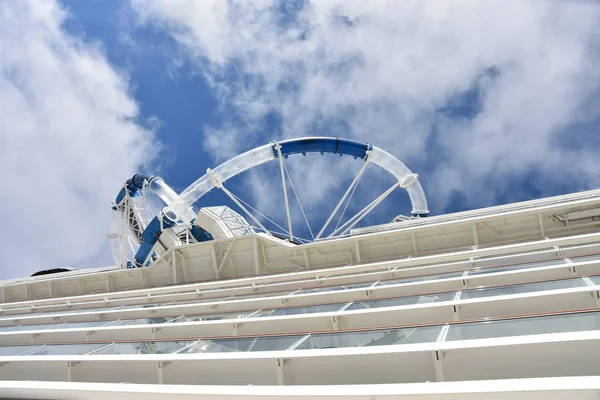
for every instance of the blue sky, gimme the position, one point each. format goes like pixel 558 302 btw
pixel 490 102
pixel 177 97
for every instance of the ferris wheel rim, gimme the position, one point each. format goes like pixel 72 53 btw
pixel 216 177
pixel 179 211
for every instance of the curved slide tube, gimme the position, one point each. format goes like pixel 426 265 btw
pixel 179 208
pixel 164 220
pixel 260 155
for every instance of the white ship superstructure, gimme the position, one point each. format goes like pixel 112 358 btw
pixel 501 302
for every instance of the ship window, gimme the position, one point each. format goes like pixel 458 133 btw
pixel 402 301
pixel 422 334
pixel 212 317
pixel 421 278
pixel 15 350
pixel 63 349
pixel 145 321
pixel 519 289
pixel 169 347
pixel 34 327
pixel 595 257
pixel 299 310
pixel 516 267
pixel 335 288
pixel 244 344
pixel 595 279
pixel 525 326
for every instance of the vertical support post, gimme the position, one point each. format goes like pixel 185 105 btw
pixel 455 309
pixel 357 250
pixel 306 261
pixel 475 234
pixel 438 357
pixel 414 242
pixel 185 280
pixel 142 276
pixel 159 371
pixel 280 364
pixel 255 253
pixel 213 255
pixel 285 195
pixel 69 377
pixel 541 221
pixel 174 266
pixel 225 256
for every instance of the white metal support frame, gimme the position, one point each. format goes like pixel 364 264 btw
pixel 91 300
pixel 225 256
pixel 213 256
pixel 574 388
pixel 568 354
pixel 255 254
pixel 363 213
pixel 475 234
pixel 350 187
pixel 285 195
pixel 219 185
pixel 299 202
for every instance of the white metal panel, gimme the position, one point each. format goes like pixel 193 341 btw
pixel 285 257
pixel 566 354
pixel 552 301
pixel 558 388
pixel 252 304
pixel 424 260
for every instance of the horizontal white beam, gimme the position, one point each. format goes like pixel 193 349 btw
pixel 536 274
pixel 25 307
pixel 545 205
pixel 556 388
pixel 550 355
pixel 551 301
pixel 16 290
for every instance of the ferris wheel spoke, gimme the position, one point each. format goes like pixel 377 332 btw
pixel 299 203
pixel 347 204
pixel 284 187
pixel 240 205
pixel 261 214
pixel 363 213
pixel 350 189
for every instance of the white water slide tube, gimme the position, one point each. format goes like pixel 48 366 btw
pixel 260 155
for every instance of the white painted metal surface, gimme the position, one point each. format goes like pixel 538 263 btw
pixel 575 388
pixel 503 293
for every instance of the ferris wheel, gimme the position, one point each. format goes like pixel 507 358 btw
pixel 142 228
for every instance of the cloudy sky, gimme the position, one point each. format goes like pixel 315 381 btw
pixel 489 101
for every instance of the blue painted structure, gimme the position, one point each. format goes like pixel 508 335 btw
pixel 199 233
pixel 150 236
pixel 133 185
pixel 322 145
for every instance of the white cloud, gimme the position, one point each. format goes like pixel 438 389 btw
pixel 387 72
pixel 68 139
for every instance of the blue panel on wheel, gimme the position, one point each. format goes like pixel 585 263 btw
pixel 323 145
